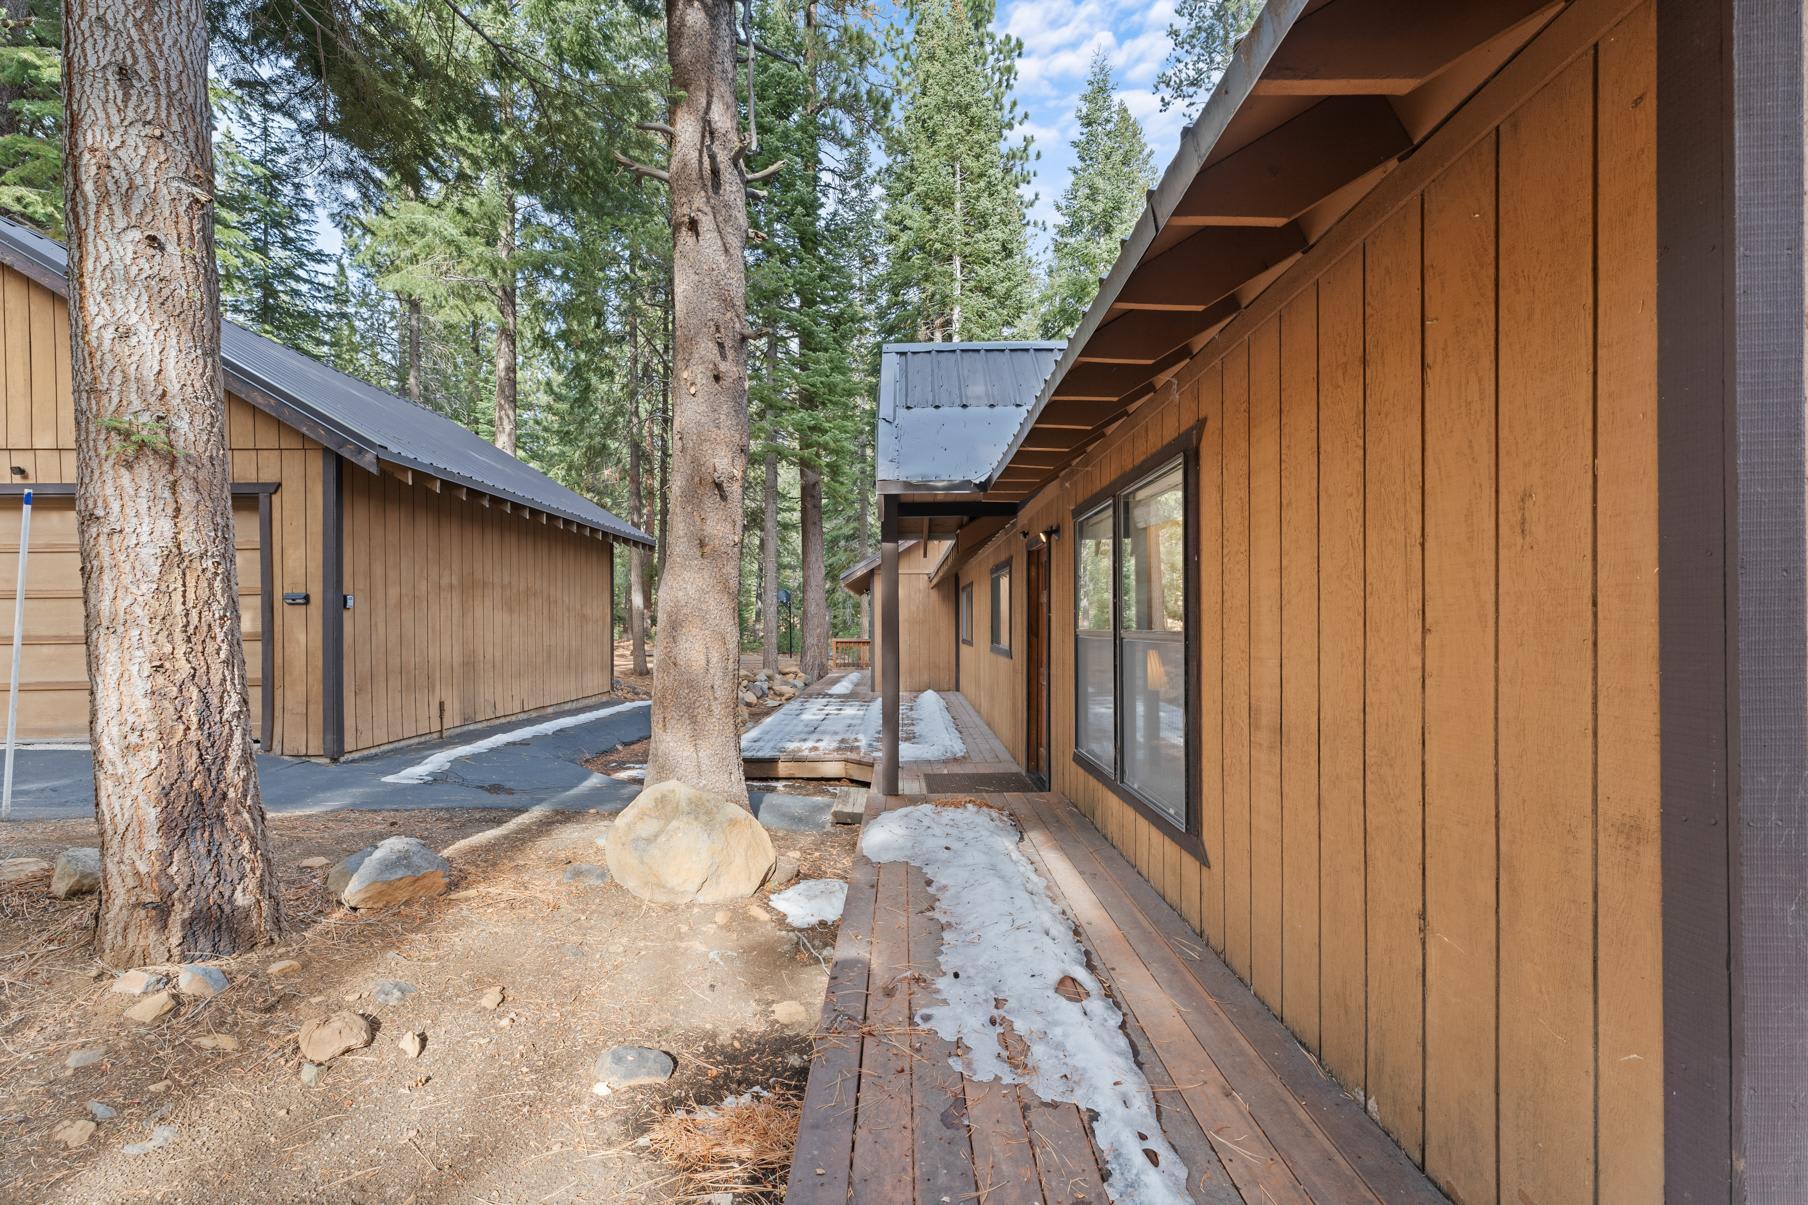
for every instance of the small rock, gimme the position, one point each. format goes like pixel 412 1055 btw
pixel 790 1012
pixel 722 917
pixel 85 1058
pixel 491 999
pixel 413 1042
pixel 719 1198
pixel 282 966
pixel 217 1041
pixel 73 1133
pixel 161 1137
pixel 77 873
pixel 202 981
pixel 850 806
pixel 784 872
pixel 17 870
pixel 390 992
pixel 161 1085
pixel 392 872
pixel 310 1073
pixel 326 1038
pixel 748 699
pixel 137 983
pixel 589 874
pixel 626 1066
pixel 102 1112
pixel 151 1007
pixel 314 863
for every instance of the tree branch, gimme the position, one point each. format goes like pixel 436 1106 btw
pixel 641 169
pixel 765 173
pixel 655 127
pixel 770 53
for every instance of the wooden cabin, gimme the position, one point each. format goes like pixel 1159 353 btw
pixel 399 577
pixel 1406 573
pixel 935 613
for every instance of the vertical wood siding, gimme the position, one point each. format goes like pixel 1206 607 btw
pixel 478 608
pixel 1427 652
pixel 927 619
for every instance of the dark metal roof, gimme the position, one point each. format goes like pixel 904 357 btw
pixel 358 420
pixel 947 411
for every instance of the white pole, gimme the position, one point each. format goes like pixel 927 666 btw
pixel 12 699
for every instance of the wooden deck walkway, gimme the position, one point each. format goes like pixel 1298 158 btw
pixel 888 1119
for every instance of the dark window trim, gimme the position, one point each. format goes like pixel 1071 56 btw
pixel 1182 448
pixel 1001 569
pixel 964 613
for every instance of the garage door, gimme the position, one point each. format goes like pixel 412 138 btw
pixel 53 677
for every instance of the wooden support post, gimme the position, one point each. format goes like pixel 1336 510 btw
pixel 888 642
pixel 1733 599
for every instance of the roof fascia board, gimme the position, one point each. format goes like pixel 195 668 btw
pixel 1234 87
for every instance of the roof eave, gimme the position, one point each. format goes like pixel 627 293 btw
pixel 1196 142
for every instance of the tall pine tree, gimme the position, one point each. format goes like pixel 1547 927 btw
pixel 959 266
pixel 273 275
pixel 1204 36
pixel 1111 173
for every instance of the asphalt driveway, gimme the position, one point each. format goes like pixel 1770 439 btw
pixel 542 771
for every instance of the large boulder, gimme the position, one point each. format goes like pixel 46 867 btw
pixel 393 872
pixel 77 873
pixel 677 845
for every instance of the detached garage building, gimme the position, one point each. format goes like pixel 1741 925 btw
pixel 399 577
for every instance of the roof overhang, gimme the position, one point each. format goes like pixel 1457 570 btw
pixel 1322 99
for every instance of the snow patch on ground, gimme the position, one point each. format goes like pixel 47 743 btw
pixel 1005 947
pixel 812 902
pixel 425 770
pixel 931 734
pixel 847 685
pixel 847 726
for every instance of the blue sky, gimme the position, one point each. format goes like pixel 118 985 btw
pixel 1059 39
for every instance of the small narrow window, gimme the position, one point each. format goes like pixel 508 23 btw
pixel 966 613
pixel 1001 608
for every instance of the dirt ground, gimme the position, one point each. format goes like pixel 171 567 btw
pixel 498 1108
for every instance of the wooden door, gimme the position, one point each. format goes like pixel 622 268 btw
pixel 1036 672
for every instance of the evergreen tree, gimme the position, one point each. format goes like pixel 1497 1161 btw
pixel 31 108
pixel 273 275
pixel 1112 171
pixel 1204 36
pixel 955 217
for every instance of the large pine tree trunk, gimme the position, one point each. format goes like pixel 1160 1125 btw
pixel 413 339
pixel 695 738
pixel 506 326
pixel 769 569
pixel 637 578
pixel 814 660
pixel 184 868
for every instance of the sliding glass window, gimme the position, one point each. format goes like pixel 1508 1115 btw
pixel 1130 640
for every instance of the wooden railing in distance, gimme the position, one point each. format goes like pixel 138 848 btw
pixel 851 654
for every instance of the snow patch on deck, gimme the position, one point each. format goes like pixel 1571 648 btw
pixel 828 725
pixel 847 685
pixel 1006 945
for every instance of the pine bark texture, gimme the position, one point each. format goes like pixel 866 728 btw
pixel 814 659
pixel 769 569
pixel 695 738
pixel 413 380
pixel 185 868
pixel 506 326
pixel 637 556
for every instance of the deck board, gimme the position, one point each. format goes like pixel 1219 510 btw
pixel 888 1118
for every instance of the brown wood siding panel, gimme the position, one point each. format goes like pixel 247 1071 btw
pixel 1343 870
pixel 470 604
pixel 1394 677
pixel 1299 667
pixel 1236 661
pixel 1547 684
pixel 1265 661
pixel 1629 1051
pixel 1460 817
pixel 1210 724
